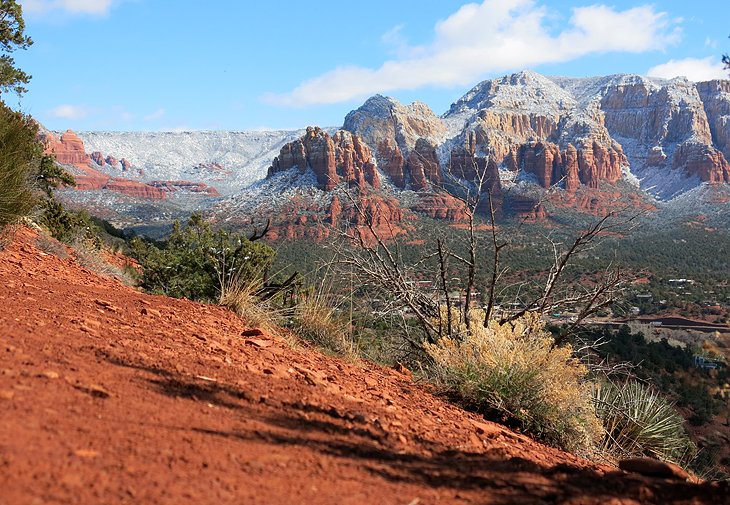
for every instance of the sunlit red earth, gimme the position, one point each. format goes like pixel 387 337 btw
pixel 109 395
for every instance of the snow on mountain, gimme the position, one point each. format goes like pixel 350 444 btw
pixel 229 161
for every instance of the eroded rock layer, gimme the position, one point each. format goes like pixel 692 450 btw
pixel 342 157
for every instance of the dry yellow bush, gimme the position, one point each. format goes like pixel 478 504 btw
pixel 514 369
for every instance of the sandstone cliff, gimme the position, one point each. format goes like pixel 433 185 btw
pixel 670 126
pixel 68 149
pixel 404 138
pixel 333 159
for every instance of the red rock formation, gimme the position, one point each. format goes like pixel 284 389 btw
pixel 343 157
pixel 392 162
pixel 465 164
pixel 298 219
pixel 335 211
pixel 542 159
pixel 528 209
pixel 702 161
pixel 69 150
pixel 191 187
pixel 354 161
pixel 135 189
pixel 98 158
pixel 423 165
pixel 94 180
pixel 570 169
pixel 112 161
pixel 126 165
pixel 589 164
pixel 441 206
pixel 598 163
pixel 395 131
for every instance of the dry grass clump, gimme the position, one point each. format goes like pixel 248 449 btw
pixel 514 370
pixel 316 319
pixel 639 422
pixel 242 298
pixel 89 254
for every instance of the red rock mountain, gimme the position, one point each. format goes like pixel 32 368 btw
pixel 68 150
pixel 333 159
pixel 594 142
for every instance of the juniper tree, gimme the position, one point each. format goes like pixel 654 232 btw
pixel 12 37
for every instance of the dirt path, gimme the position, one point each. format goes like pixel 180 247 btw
pixel 108 395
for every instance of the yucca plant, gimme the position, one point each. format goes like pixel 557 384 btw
pixel 638 421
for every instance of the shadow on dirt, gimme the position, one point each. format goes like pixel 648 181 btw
pixel 338 434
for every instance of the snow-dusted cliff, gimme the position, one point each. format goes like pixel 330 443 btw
pixel 229 161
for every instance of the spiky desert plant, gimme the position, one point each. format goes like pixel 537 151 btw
pixel 638 421
pixel 515 370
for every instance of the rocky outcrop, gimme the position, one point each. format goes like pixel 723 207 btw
pixel 703 161
pixel 185 186
pixel 441 205
pixel 392 162
pixel 588 165
pixel 302 217
pixel 715 97
pixel 98 158
pixel 340 158
pixel 570 168
pixel 591 131
pixel 68 150
pixel 404 138
pixel 670 125
pixel 135 189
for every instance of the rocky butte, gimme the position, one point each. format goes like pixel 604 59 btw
pixel 593 141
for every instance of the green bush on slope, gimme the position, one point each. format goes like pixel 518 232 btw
pixel 20 158
pixel 199 263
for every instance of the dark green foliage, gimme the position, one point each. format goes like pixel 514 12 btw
pixel 12 37
pixel 50 175
pixel 669 367
pixel 67 225
pixel 20 157
pixel 199 263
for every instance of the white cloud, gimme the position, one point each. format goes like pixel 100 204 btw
pixel 694 69
pixel 71 112
pixel 711 43
pixel 95 7
pixel 494 36
pixel 154 116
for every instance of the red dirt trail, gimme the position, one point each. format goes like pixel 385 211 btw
pixel 109 395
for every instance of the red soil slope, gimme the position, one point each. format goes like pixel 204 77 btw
pixel 108 395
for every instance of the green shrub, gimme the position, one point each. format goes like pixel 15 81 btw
pixel 20 157
pixel 67 225
pixel 199 263
pixel 516 371
pixel 637 421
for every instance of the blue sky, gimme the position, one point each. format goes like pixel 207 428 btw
pixel 241 65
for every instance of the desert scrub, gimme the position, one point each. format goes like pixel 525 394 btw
pixel 20 155
pixel 200 263
pixel 637 421
pixel 515 371
pixel 316 319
